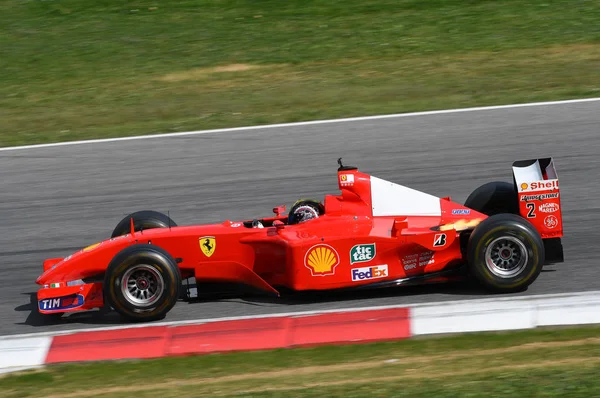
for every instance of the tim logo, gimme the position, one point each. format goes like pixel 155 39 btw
pixel 439 240
pixel 61 303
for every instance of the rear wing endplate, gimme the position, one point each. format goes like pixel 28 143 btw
pixel 538 190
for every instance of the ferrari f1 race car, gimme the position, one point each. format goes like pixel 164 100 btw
pixel 375 233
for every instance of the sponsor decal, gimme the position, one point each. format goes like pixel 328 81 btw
pixel 346 180
pixel 539 185
pixel 528 198
pixel 551 222
pixel 461 211
pixel 54 285
pixel 91 247
pixel 362 253
pixel 413 261
pixel 237 224
pixel 439 240
pixel 549 208
pixel 61 303
pixel 321 260
pixel 374 272
pixel 208 244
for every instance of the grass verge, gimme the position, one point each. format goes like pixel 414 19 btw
pixel 553 362
pixel 80 69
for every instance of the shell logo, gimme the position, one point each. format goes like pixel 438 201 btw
pixel 524 186
pixel 321 260
pixel 343 177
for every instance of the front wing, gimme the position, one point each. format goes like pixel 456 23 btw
pixel 59 298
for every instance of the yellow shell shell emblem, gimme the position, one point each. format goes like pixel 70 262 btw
pixel 321 260
pixel 208 244
pixel 524 186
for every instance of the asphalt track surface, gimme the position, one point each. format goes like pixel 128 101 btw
pixel 53 201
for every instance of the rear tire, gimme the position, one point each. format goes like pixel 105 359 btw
pixel 145 219
pixel 494 198
pixel 142 283
pixel 505 253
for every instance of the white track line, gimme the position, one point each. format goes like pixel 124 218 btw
pixel 297 124
pixel 491 300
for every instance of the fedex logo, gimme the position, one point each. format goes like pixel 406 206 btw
pixel 378 271
pixel 540 185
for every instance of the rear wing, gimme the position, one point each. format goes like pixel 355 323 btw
pixel 538 190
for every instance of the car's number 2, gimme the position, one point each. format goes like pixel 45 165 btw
pixel 531 212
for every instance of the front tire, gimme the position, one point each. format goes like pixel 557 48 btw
pixel 145 219
pixel 142 283
pixel 505 253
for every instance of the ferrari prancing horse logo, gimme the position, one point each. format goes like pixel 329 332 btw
pixel 207 245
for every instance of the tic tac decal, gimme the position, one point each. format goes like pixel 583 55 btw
pixel 362 253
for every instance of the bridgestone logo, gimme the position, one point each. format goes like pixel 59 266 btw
pixel 527 198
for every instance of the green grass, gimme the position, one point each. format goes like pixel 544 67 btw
pixel 74 69
pixel 552 362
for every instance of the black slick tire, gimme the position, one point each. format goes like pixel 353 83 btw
pixel 130 278
pixel 494 198
pixel 145 219
pixel 505 253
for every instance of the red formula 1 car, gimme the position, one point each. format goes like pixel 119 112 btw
pixel 374 234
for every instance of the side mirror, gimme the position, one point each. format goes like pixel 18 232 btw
pixel 279 210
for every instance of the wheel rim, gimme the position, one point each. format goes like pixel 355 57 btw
pixel 142 285
pixel 506 256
